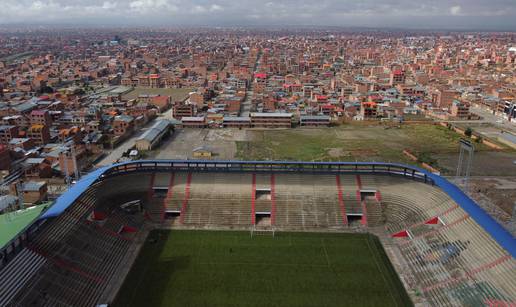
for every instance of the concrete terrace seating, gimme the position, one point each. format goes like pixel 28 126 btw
pixel 400 212
pixel 74 258
pixel 470 274
pixel 162 179
pixel 407 202
pixel 219 199
pixel 475 267
pixel 17 273
pixel 71 260
pixel 480 251
pixel 307 201
pixel 120 185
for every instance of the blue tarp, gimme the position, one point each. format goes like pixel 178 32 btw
pixel 495 230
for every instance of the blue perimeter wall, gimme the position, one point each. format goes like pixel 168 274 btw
pixel 502 236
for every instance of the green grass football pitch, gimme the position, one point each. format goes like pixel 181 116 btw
pixel 225 268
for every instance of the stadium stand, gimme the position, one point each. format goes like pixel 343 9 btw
pixel 455 252
pixel 74 257
pixel 219 199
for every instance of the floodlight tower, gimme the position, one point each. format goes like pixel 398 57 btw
pixel 74 161
pixel 466 147
pixel 512 223
pixel 19 191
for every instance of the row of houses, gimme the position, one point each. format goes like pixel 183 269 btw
pixel 255 120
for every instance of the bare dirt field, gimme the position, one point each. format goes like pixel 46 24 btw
pixel 432 144
pixel 435 145
pixel 222 143
pixel 175 93
pixel 485 163
pixel 496 195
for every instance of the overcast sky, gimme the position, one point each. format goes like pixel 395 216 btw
pixel 452 14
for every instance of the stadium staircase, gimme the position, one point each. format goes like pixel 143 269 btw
pixel 175 201
pixel 374 211
pixel 156 203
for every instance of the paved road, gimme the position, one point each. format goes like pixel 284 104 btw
pixel 494 119
pixel 496 123
pixel 116 153
pixel 245 109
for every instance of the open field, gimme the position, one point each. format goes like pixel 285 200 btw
pixel 433 144
pixel 17 56
pixel 182 143
pixel 213 268
pixel 500 191
pixel 357 143
pixel 485 163
pixel 176 93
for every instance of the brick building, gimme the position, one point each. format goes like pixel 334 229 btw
pixel 7 133
pixel 123 124
pixel 40 134
pixel 271 120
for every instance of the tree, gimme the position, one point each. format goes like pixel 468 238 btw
pixel 46 90
pixel 468 132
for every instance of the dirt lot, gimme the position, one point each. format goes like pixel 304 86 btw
pixel 220 141
pixel 433 144
pixel 176 93
pixel 496 195
pixel 429 143
pixel 501 191
pixel 486 163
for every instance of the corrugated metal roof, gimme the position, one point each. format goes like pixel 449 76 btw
pixel 314 117
pixel 33 185
pixel 149 135
pixel 236 119
pixel 283 114
pixel 192 118
pixel 153 132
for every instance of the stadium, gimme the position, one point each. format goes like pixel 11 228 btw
pixel 235 233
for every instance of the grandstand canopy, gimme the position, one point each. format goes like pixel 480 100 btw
pixel 12 223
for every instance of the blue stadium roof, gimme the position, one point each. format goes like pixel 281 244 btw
pixel 65 200
pixel 495 230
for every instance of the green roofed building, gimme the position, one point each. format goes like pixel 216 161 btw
pixel 12 223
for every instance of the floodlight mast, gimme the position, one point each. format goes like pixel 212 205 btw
pixel 466 147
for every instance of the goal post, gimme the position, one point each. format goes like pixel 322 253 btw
pixel 262 231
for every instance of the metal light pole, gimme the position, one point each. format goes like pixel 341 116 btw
pixel 466 147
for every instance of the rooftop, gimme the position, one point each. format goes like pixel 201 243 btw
pixel 11 224
pixel 279 114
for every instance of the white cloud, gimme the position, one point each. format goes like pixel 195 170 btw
pixel 398 13
pixel 107 5
pixel 216 8
pixel 455 10
pixel 198 9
